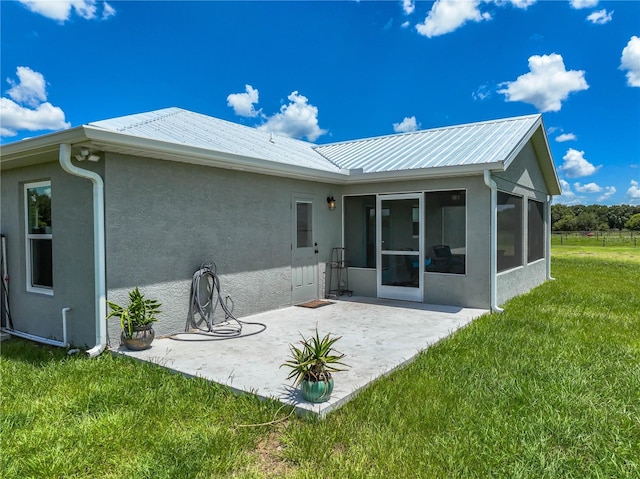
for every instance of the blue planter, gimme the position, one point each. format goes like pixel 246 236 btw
pixel 316 391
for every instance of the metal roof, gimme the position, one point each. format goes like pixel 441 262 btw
pixel 180 135
pixel 175 125
pixel 479 144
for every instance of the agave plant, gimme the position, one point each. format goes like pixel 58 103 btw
pixel 315 360
pixel 139 312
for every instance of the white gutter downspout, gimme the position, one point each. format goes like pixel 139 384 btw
pixel 548 239
pixel 494 240
pixel 98 246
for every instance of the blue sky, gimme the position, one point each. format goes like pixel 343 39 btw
pixel 333 71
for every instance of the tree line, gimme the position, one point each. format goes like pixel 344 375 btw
pixel 594 217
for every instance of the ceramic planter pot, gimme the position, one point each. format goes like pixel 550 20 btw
pixel 141 339
pixel 316 391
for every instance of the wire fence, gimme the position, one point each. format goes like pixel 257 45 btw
pixel 595 238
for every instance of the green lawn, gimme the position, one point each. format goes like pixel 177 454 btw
pixel 550 388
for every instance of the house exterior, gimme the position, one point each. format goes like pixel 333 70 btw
pixel 457 216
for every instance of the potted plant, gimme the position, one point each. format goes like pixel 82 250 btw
pixel 136 320
pixel 312 364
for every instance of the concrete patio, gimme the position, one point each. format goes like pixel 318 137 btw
pixel 378 336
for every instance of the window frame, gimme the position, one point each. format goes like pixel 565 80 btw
pixel 31 288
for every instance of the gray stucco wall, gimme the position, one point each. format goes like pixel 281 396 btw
pixel 165 218
pixel 523 178
pixel 471 289
pixel 72 243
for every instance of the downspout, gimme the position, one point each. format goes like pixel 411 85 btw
pixel 98 246
pixel 494 240
pixel 548 239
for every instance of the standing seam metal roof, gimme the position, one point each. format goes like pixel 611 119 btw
pixel 472 144
pixel 175 125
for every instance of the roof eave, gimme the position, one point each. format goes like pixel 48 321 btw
pixel 423 173
pixel 128 144
pixel 33 151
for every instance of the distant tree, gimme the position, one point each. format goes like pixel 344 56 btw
pixel 633 223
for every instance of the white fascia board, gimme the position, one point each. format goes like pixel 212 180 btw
pixel 113 141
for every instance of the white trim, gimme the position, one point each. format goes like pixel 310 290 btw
pixel 31 288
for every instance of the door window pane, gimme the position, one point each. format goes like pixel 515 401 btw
pixel 398 225
pixel 304 225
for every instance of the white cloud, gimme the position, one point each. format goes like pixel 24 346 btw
pixel 547 85
pixel 483 92
pixel 107 11
pixel 407 125
pixel 634 190
pixel 566 137
pixel 600 17
pixel 405 24
pixel 609 191
pixel 27 109
pixel 630 61
pixel 567 197
pixel 30 88
pixel 588 188
pixel 16 117
pixel 577 4
pixel 524 4
pixel 60 10
pixel 446 16
pixel 242 103
pixel 575 165
pixel 296 119
pixel 408 6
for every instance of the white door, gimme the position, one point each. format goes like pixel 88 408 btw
pixel 400 225
pixel 304 250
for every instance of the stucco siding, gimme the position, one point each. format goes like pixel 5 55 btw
pixel 72 244
pixel 165 218
pixel 517 281
pixel 523 175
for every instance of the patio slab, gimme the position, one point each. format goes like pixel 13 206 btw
pixel 378 336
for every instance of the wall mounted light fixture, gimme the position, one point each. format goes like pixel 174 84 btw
pixel 331 201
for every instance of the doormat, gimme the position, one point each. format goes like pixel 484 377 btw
pixel 316 303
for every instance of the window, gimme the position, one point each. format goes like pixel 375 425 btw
pixel 360 231
pixel 39 251
pixel 304 224
pixel 535 231
pixel 446 231
pixel 509 231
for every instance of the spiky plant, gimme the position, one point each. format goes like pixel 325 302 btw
pixel 315 360
pixel 139 312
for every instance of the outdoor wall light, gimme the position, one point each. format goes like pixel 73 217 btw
pixel 331 201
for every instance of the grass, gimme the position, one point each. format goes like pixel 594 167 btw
pixel 550 388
